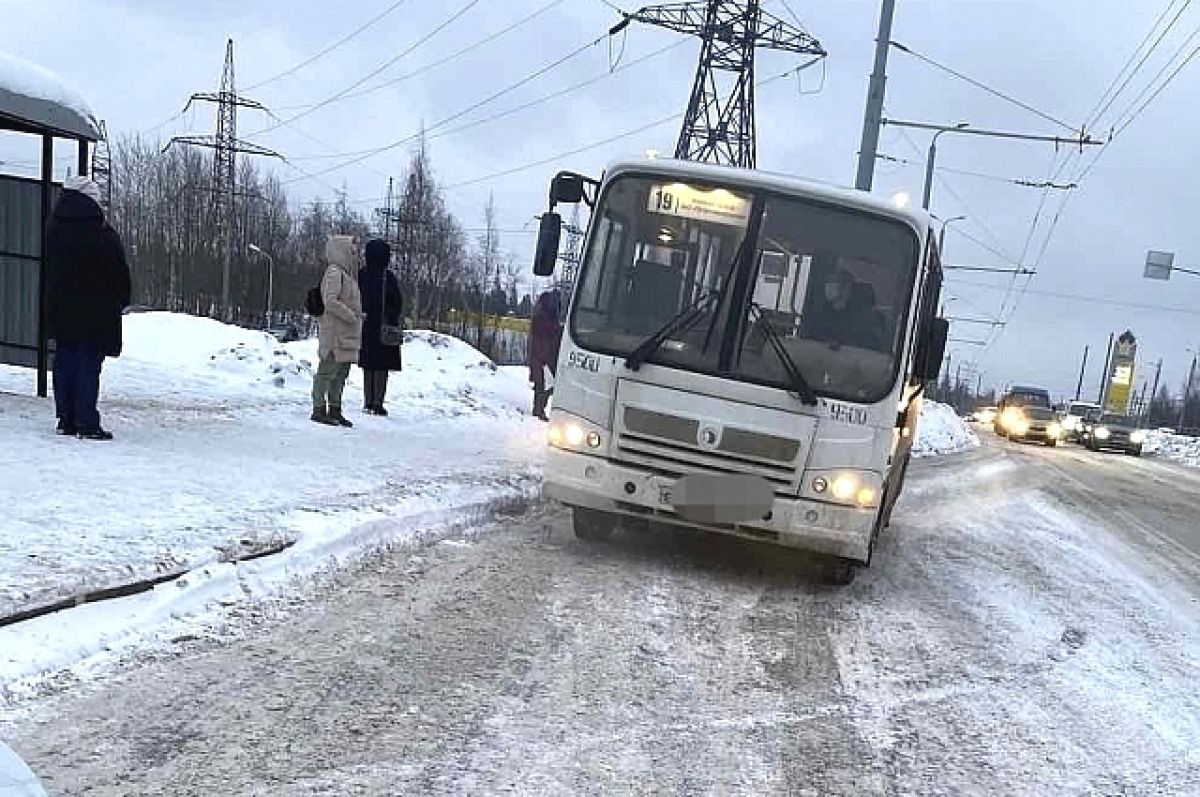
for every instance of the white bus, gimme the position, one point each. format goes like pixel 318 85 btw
pixel 743 352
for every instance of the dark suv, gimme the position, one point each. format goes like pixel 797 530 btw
pixel 1116 432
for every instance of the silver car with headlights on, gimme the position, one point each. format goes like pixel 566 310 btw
pixel 1115 433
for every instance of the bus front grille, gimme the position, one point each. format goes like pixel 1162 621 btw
pixel 674 461
pixel 742 444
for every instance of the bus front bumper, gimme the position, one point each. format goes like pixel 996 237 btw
pixel 597 483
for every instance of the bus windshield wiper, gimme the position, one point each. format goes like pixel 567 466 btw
pixel 682 321
pixel 799 383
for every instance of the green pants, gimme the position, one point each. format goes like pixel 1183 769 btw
pixel 328 384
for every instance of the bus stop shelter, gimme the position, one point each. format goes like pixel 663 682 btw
pixel 33 102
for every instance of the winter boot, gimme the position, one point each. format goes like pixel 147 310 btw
pixel 380 410
pixel 94 434
pixel 337 419
pixel 65 429
pixel 322 417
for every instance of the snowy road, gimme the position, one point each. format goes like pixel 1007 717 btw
pixel 1031 626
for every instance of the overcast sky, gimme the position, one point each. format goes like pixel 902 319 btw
pixel 138 60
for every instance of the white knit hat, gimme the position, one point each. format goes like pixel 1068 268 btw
pixel 84 185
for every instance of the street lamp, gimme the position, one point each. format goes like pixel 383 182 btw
pixel 942 236
pixel 931 157
pixel 270 279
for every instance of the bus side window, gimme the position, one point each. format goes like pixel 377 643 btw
pixel 927 304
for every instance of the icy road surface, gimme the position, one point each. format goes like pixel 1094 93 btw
pixel 1030 627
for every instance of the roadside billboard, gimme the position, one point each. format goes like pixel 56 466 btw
pixel 1119 386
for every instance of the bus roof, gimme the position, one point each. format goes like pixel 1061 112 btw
pixel 685 170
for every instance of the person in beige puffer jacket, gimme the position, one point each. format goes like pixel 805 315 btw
pixel 339 329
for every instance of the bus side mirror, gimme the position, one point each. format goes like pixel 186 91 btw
pixel 939 333
pixel 567 189
pixel 546 255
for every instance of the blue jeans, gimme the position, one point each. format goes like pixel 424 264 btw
pixel 77 385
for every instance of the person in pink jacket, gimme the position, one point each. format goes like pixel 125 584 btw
pixel 545 334
pixel 339 330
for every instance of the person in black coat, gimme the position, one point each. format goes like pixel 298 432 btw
pixel 87 288
pixel 382 303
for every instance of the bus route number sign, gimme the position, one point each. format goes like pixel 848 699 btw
pixel 716 205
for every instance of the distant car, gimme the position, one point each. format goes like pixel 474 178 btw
pixel 1016 399
pixel 1115 432
pixel 1036 424
pixel 985 416
pixel 284 333
pixel 1076 417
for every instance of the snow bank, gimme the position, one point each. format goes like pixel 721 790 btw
pixel 1177 448
pixel 215 457
pixel 15 778
pixel 941 431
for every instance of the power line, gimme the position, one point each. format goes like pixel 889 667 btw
pixel 561 155
pixel 442 61
pixel 530 104
pixel 1024 183
pixel 413 47
pixel 345 39
pixel 458 115
pixel 597 144
pixel 1079 297
pixel 1129 62
pixel 1160 89
pixel 1145 57
pixel 983 86
pixel 996 247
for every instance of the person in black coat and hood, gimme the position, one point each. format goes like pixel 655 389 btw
pixel 382 303
pixel 87 288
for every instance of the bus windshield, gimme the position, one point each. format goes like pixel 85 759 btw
pixel 832 283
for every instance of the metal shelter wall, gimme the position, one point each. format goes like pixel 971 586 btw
pixel 20 265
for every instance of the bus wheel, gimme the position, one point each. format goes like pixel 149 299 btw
pixel 592 524
pixel 843 571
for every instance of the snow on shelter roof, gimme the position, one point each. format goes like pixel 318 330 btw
pixel 32 97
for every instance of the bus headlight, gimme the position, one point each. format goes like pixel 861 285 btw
pixel 575 433
pixel 1138 438
pixel 1055 430
pixel 858 488
pixel 1101 433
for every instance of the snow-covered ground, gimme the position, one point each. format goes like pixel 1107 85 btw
pixel 216 457
pixel 941 431
pixel 1177 448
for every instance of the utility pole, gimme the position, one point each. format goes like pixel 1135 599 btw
pixel 966 129
pixel 1104 373
pixel 1187 393
pixel 719 124
pixel 1154 390
pixel 1082 370
pixel 226 146
pixel 876 89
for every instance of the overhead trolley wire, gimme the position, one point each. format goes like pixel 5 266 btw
pixel 412 48
pixel 459 114
pixel 980 85
pixel 340 42
pixel 442 61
